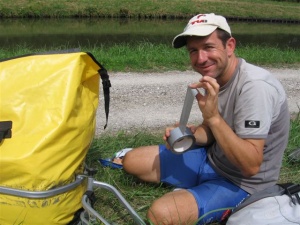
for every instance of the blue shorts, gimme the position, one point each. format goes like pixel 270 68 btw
pixel 214 194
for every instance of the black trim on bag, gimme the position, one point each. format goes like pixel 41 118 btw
pixel 106 86
pixel 5 129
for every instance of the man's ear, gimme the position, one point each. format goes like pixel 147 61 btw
pixel 230 46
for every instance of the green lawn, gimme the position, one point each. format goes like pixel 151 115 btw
pixel 150 8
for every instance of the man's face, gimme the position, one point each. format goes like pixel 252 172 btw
pixel 208 55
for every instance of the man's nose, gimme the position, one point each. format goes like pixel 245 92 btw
pixel 202 56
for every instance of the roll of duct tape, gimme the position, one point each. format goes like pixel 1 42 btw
pixel 181 138
pixel 181 141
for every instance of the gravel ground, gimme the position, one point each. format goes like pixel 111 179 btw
pixel 152 101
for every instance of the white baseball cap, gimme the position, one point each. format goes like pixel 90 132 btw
pixel 201 25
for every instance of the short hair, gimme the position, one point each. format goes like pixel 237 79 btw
pixel 223 36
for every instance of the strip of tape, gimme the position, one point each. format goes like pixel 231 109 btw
pixel 181 138
pixel 187 107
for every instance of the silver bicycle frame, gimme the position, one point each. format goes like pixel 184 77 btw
pixel 88 214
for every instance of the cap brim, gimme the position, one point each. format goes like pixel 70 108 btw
pixel 204 30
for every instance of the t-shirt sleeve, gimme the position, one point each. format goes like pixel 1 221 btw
pixel 254 109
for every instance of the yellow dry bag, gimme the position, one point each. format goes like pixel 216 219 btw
pixel 48 104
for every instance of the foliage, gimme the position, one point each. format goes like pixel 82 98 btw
pixel 146 56
pixel 147 8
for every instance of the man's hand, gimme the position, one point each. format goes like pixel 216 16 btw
pixel 169 129
pixel 167 134
pixel 208 102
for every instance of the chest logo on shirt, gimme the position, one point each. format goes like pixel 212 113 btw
pixel 252 124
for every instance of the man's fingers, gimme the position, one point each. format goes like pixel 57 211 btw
pixel 210 84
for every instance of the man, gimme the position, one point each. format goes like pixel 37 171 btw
pixel 240 141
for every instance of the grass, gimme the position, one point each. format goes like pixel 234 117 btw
pixel 148 8
pixel 140 194
pixel 291 168
pixel 146 56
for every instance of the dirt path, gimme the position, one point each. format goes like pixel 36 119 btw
pixel 154 100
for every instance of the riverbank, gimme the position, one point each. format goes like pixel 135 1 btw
pixel 151 57
pixel 152 101
pixel 287 11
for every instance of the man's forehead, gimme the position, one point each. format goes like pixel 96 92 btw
pixel 212 39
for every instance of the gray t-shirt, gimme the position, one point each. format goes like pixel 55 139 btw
pixel 253 103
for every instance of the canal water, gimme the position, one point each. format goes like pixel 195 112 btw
pixel 75 33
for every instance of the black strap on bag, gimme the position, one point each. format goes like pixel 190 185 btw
pixel 291 190
pixel 106 85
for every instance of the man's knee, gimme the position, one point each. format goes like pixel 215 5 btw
pixel 143 162
pixel 131 164
pixel 158 214
pixel 177 207
pixel 128 162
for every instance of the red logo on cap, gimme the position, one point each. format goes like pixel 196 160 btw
pixel 198 20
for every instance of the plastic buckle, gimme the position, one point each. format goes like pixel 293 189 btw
pixel 294 190
pixel 91 196
pixel 106 83
pixel 90 171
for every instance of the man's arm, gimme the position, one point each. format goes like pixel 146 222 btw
pixel 245 154
pixel 203 135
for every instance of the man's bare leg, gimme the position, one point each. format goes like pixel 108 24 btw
pixel 174 208
pixel 144 163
